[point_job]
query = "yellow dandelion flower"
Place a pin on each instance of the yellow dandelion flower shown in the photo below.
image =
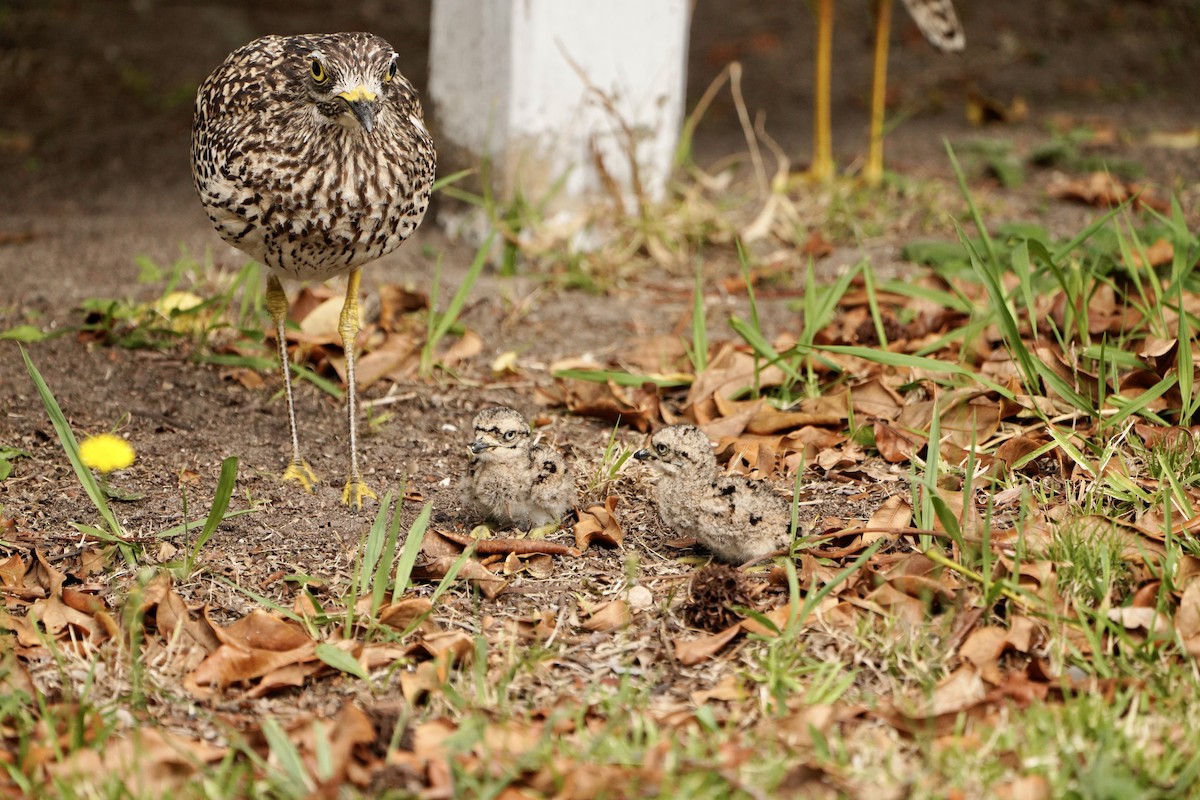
(106, 453)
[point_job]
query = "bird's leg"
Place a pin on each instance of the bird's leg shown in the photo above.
(873, 171)
(356, 488)
(297, 469)
(822, 168)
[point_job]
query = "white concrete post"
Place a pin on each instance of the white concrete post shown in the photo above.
(545, 88)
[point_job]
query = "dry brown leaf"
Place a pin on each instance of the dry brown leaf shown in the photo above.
(427, 678)
(172, 619)
(407, 611)
(390, 358)
(230, 664)
(12, 571)
(1187, 618)
(729, 371)
(309, 297)
(599, 524)
(611, 616)
(962, 509)
(777, 616)
(148, 763)
(1140, 620)
(320, 324)
(58, 619)
(970, 424)
(637, 406)
(894, 445)
(397, 301)
(890, 600)
(14, 677)
(44, 574)
(894, 513)
(875, 399)
(983, 649)
(799, 725)
(288, 676)
(328, 745)
(1103, 190)
(1160, 253)
(478, 575)
(1030, 787)
(469, 345)
(260, 630)
(690, 652)
(957, 692)
(728, 688)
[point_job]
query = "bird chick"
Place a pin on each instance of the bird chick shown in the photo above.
(737, 519)
(511, 481)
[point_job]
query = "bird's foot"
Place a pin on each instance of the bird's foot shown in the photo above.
(299, 471)
(354, 492)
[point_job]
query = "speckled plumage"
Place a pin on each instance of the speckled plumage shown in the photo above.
(310, 154)
(288, 174)
(737, 519)
(511, 481)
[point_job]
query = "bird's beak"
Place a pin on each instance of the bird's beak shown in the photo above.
(479, 445)
(362, 105)
(643, 454)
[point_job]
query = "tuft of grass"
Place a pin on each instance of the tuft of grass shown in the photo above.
(440, 324)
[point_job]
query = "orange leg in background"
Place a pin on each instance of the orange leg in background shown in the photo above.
(873, 171)
(822, 168)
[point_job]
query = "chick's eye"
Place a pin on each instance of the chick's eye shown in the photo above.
(391, 72)
(317, 70)
(660, 448)
(510, 435)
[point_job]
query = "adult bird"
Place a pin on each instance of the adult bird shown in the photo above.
(310, 154)
(936, 20)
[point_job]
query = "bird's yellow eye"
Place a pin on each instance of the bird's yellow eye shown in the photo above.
(391, 73)
(510, 435)
(317, 70)
(661, 449)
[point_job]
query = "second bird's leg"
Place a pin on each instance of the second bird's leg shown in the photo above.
(298, 469)
(356, 488)
(822, 168)
(873, 171)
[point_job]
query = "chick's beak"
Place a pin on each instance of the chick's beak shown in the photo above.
(643, 454)
(479, 445)
(361, 102)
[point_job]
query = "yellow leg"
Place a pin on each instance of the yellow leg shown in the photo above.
(297, 469)
(873, 172)
(822, 168)
(356, 488)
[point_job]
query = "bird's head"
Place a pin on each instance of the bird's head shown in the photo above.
(679, 449)
(351, 78)
(500, 434)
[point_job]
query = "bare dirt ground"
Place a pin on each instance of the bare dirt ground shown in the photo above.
(94, 170)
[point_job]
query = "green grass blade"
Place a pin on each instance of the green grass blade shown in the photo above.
(1137, 404)
(621, 378)
(67, 438)
(412, 547)
(216, 514)
(699, 322)
(373, 551)
(340, 660)
(910, 361)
